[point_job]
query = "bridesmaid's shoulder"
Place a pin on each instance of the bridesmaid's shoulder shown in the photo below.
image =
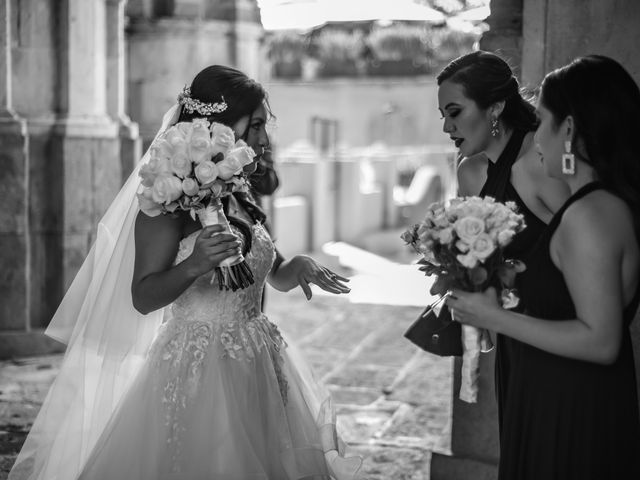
(601, 216)
(472, 173)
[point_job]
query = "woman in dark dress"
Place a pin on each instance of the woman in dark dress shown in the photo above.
(493, 125)
(571, 411)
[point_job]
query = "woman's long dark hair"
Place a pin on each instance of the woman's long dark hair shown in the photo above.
(487, 79)
(604, 101)
(243, 96)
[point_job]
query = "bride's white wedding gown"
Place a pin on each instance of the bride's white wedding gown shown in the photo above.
(221, 396)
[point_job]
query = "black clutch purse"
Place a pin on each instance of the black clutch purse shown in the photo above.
(437, 334)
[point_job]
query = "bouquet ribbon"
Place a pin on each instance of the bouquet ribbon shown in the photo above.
(233, 272)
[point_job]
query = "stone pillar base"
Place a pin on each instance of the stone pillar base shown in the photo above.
(444, 467)
(19, 344)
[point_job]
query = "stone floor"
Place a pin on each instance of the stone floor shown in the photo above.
(393, 399)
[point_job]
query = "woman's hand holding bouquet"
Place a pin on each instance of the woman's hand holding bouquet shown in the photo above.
(462, 243)
(191, 167)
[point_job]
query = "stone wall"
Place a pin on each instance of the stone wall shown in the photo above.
(394, 111)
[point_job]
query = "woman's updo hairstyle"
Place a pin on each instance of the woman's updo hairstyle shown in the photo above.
(487, 79)
(242, 95)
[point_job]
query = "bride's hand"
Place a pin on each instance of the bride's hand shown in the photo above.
(307, 270)
(211, 248)
(476, 309)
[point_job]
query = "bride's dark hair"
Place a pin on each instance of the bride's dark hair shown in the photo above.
(604, 101)
(243, 96)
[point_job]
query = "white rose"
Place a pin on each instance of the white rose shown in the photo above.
(200, 146)
(180, 165)
(243, 153)
(222, 138)
(445, 235)
(207, 172)
(482, 247)
(441, 220)
(505, 237)
(190, 186)
(178, 136)
(468, 260)
(166, 189)
(147, 205)
(462, 246)
(228, 168)
(161, 149)
(497, 218)
(468, 228)
(154, 167)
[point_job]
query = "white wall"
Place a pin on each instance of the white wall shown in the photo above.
(396, 111)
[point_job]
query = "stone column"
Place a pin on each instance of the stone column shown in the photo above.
(14, 183)
(67, 165)
(130, 142)
(505, 31)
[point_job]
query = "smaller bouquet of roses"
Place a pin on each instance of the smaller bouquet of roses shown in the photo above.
(462, 243)
(192, 165)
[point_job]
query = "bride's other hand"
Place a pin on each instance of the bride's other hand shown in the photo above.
(309, 271)
(475, 309)
(212, 246)
(303, 270)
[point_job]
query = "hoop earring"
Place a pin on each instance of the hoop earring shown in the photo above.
(568, 160)
(494, 128)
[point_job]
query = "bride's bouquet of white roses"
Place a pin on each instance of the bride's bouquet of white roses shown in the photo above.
(192, 165)
(462, 242)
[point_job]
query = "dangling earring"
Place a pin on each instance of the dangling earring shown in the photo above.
(494, 128)
(568, 160)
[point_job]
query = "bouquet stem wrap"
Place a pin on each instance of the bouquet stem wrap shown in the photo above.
(474, 341)
(233, 272)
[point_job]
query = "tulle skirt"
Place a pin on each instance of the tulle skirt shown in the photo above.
(204, 409)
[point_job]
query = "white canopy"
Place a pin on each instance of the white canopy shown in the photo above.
(305, 14)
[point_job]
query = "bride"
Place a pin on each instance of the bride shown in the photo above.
(166, 376)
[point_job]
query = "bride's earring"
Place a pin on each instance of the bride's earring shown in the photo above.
(494, 128)
(568, 160)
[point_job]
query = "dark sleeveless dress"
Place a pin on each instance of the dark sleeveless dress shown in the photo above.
(566, 419)
(498, 186)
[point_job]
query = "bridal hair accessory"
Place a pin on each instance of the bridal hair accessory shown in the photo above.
(494, 127)
(568, 159)
(191, 104)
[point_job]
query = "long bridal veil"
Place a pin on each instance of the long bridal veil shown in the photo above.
(106, 339)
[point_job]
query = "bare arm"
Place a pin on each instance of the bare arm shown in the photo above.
(156, 282)
(592, 268)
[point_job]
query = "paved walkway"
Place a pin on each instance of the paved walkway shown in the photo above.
(393, 399)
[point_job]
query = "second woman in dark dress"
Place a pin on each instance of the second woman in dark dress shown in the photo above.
(493, 125)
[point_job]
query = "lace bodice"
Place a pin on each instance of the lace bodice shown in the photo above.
(205, 316)
(203, 301)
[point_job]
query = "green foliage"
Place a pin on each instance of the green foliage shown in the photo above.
(286, 46)
(338, 45)
(400, 42)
